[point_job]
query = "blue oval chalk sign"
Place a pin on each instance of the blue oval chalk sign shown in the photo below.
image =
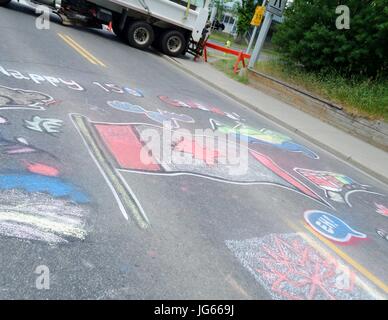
(331, 227)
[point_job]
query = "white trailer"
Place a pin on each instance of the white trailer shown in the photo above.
(171, 26)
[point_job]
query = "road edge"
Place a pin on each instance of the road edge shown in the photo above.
(322, 109)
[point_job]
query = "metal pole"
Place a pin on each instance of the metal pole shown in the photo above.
(254, 32)
(260, 41)
(253, 36)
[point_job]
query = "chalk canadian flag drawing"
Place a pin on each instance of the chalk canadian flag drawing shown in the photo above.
(119, 147)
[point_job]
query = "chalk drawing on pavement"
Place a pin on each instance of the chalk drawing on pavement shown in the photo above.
(125, 197)
(337, 187)
(41, 217)
(263, 136)
(46, 125)
(382, 233)
(3, 120)
(288, 267)
(331, 226)
(43, 208)
(54, 186)
(113, 88)
(200, 106)
(134, 92)
(15, 98)
(381, 209)
(190, 145)
(159, 116)
(40, 168)
(39, 79)
(119, 138)
(19, 146)
(122, 147)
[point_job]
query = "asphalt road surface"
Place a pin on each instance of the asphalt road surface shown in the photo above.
(83, 216)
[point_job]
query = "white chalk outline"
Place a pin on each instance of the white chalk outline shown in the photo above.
(35, 106)
(120, 204)
(347, 194)
(320, 200)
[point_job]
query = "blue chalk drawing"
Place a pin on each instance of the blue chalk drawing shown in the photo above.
(330, 226)
(157, 116)
(37, 183)
(134, 92)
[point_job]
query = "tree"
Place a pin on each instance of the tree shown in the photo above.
(309, 36)
(219, 4)
(245, 12)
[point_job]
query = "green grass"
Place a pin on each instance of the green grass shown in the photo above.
(222, 37)
(360, 97)
(226, 66)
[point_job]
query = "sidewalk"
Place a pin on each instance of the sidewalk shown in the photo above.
(368, 158)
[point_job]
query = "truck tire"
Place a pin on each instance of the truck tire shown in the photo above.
(140, 34)
(4, 2)
(173, 43)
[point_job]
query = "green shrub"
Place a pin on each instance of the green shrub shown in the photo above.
(309, 37)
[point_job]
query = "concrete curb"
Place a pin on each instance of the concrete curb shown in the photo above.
(280, 122)
(330, 104)
(372, 132)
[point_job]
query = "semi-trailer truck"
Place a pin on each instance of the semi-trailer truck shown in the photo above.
(171, 26)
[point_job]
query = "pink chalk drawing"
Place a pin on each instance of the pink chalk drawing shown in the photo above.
(40, 168)
(208, 155)
(381, 209)
(289, 268)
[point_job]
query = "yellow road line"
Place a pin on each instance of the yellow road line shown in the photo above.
(83, 52)
(352, 262)
(365, 272)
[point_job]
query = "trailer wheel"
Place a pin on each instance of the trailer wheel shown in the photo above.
(173, 43)
(4, 2)
(140, 34)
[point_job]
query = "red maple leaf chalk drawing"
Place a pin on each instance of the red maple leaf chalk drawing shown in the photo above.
(40, 168)
(290, 268)
(191, 146)
(381, 209)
